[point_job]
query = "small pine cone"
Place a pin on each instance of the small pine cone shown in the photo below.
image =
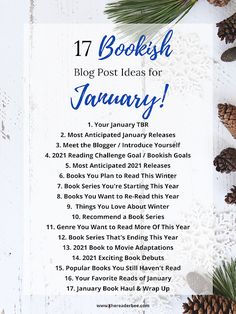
(230, 198)
(226, 160)
(227, 29)
(227, 115)
(219, 3)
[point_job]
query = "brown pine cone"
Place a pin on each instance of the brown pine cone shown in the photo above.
(230, 198)
(226, 160)
(209, 304)
(219, 3)
(227, 29)
(227, 115)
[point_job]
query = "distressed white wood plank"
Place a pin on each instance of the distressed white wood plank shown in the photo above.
(70, 11)
(12, 17)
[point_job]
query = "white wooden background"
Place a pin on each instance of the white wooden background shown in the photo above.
(13, 15)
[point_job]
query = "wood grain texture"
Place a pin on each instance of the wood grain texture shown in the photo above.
(13, 14)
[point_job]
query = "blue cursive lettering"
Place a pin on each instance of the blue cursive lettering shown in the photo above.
(148, 102)
(109, 47)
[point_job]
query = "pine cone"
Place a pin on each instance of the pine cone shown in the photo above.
(227, 115)
(227, 29)
(230, 198)
(209, 305)
(226, 160)
(219, 3)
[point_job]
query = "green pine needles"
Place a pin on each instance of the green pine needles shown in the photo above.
(224, 280)
(148, 11)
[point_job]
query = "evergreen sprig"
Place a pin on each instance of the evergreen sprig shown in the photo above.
(224, 280)
(148, 11)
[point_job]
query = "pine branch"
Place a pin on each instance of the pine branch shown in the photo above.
(148, 11)
(224, 280)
